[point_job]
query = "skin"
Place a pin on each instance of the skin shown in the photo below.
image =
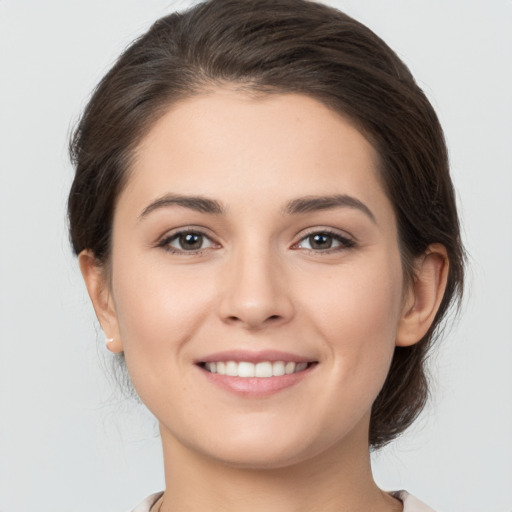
(257, 283)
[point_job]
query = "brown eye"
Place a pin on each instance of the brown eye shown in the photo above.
(324, 241)
(190, 241)
(186, 241)
(320, 241)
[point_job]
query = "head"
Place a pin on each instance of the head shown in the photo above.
(266, 50)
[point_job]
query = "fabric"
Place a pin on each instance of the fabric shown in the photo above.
(146, 505)
(411, 504)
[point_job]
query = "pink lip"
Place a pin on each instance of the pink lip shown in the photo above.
(254, 386)
(254, 357)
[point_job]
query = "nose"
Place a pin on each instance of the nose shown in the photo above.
(255, 292)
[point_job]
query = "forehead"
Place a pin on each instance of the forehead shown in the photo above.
(239, 147)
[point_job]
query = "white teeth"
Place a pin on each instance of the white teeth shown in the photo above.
(246, 369)
(232, 369)
(289, 368)
(263, 369)
(278, 368)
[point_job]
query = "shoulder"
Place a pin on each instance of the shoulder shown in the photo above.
(411, 504)
(146, 505)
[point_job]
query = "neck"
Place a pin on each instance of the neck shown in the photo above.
(337, 480)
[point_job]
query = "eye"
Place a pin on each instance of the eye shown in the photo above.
(324, 241)
(186, 241)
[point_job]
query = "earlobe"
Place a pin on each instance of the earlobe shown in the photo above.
(101, 298)
(424, 295)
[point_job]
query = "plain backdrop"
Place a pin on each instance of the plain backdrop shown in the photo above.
(68, 442)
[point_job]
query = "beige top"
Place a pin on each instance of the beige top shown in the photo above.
(411, 504)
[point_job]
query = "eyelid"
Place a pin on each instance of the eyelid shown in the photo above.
(346, 240)
(169, 236)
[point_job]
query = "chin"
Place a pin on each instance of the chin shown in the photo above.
(259, 458)
(264, 449)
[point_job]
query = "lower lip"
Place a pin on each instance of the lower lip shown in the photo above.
(256, 386)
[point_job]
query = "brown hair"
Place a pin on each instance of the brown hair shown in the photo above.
(275, 46)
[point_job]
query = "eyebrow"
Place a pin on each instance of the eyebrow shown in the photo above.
(198, 203)
(317, 203)
(300, 205)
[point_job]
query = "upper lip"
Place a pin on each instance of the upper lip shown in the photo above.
(254, 356)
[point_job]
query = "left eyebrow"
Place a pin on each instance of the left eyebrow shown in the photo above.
(318, 203)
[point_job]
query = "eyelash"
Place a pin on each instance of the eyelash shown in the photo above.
(345, 242)
(165, 242)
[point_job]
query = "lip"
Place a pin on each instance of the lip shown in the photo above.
(254, 357)
(253, 386)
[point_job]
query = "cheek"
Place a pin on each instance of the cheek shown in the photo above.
(358, 314)
(158, 310)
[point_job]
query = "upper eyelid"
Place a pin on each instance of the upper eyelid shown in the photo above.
(201, 230)
(171, 233)
(327, 230)
(345, 240)
(165, 241)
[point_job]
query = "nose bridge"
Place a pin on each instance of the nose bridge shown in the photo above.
(255, 292)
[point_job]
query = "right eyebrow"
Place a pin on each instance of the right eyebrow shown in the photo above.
(198, 203)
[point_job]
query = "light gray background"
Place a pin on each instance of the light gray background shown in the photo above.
(68, 444)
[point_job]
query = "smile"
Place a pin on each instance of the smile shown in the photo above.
(263, 369)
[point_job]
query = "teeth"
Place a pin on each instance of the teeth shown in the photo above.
(289, 368)
(246, 370)
(263, 369)
(278, 368)
(231, 369)
(301, 367)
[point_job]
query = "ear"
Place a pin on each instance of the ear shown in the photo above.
(99, 291)
(424, 295)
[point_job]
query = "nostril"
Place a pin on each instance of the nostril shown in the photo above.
(236, 318)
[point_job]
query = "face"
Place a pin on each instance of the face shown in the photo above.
(256, 282)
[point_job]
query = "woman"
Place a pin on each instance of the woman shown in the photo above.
(266, 226)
